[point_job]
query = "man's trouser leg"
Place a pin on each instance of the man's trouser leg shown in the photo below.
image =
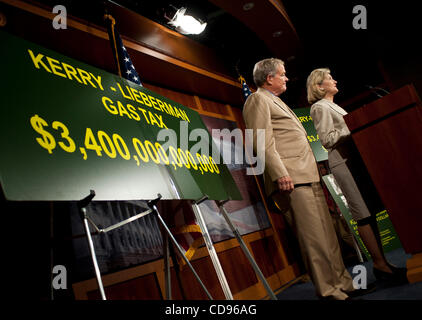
(319, 243)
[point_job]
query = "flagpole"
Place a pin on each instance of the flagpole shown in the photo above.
(112, 23)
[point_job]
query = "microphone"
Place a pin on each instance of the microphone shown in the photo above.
(376, 89)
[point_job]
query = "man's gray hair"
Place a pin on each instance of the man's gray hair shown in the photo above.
(265, 68)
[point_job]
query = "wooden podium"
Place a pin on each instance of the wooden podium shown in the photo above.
(388, 135)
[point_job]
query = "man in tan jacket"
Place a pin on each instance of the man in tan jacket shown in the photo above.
(292, 180)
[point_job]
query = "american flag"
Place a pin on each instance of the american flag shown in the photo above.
(245, 89)
(124, 63)
(181, 221)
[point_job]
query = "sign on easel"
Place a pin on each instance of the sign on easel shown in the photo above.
(67, 128)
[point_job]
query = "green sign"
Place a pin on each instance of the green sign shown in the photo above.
(68, 128)
(389, 238)
(319, 151)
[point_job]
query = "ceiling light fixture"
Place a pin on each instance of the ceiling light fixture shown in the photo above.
(186, 24)
(248, 6)
(277, 34)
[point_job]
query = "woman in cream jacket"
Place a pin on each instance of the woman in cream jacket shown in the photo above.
(345, 163)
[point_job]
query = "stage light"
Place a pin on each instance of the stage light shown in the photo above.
(186, 24)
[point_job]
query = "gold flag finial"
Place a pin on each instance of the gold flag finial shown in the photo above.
(109, 16)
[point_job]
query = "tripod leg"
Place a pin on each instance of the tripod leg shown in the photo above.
(93, 256)
(357, 249)
(246, 252)
(177, 270)
(51, 249)
(160, 219)
(212, 252)
(167, 265)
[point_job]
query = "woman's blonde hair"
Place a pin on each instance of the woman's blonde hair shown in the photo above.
(315, 79)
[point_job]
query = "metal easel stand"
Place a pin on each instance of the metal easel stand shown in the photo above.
(258, 272)
(153, 209)
(354, 242)
(357, 249)
(211, 250)
(168, 251)
(82, 210)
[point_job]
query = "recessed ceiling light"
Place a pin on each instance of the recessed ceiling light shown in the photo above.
(277, 34)
(248, 6)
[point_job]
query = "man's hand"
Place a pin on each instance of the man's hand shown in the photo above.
(285, 184)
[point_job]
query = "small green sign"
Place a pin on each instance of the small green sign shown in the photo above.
(67, 128)
(389, 238)
(319, 151)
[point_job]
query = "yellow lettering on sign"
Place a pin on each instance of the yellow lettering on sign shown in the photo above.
(97, 80)
(65, 70)
(71, 72)
(152, 119)
(145, 99)
(108, 104)
(161, 124)
(136, 95)
(184, 115)
(161, 105)
(305, 118)
(38, 61)
(123, 93)
(55, 65)
(154, 103)
(144, 113)
(133, 112)
(122, 110)
(177, 113)
(170, 109)
(85, 76)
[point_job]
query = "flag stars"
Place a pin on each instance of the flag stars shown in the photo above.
(127, 69)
